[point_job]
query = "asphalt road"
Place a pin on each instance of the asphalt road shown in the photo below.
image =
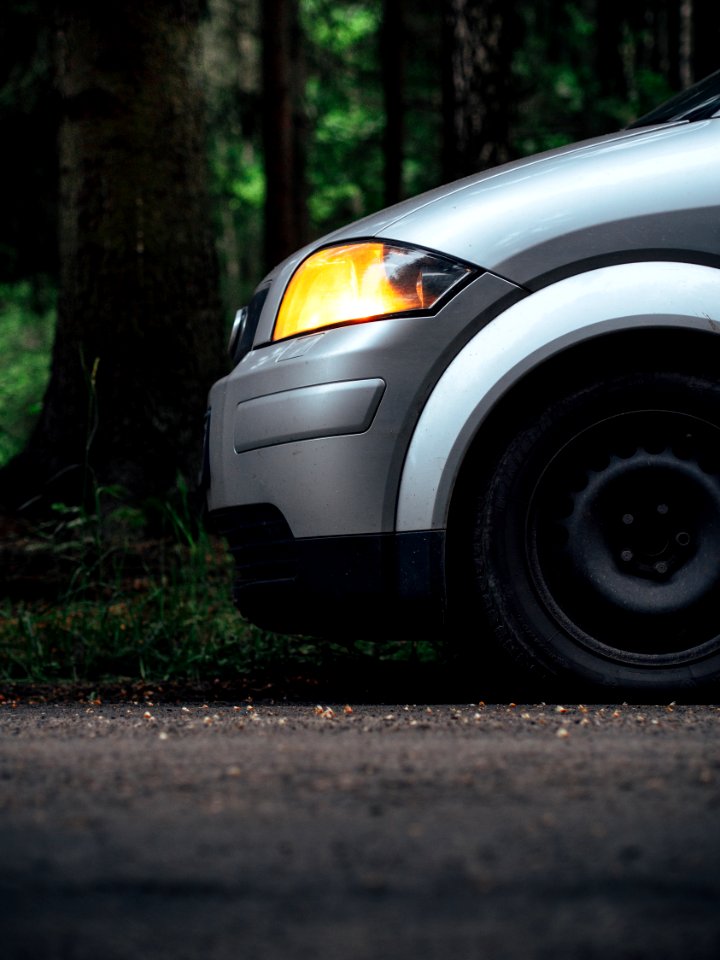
(409, 832)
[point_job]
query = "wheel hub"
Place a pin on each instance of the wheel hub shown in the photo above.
(626, 532)
(652, 541)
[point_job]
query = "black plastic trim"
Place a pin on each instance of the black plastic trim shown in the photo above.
(246, 336)
(333, 586)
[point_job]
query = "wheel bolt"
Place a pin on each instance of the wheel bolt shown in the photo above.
(627, 519)
(682, 539)
(662, 508)
(626, 556)
(661, 566)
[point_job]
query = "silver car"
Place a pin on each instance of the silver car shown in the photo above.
(492, 412)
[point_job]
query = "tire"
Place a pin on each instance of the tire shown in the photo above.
(597, 537)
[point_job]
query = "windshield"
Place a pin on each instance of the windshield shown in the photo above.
(699, 102)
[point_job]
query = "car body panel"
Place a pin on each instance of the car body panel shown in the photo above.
(579, 308)
(309, 477)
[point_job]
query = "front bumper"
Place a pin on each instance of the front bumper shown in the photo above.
(378, 584)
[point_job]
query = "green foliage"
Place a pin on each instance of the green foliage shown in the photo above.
(341, 28)
(557, 71)
(27, 317)
(345, 115)
(238, 190)
(231, 56)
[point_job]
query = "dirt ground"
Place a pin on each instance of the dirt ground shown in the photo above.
(355, 831)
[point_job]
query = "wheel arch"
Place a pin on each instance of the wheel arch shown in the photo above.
(618, 314)
(682, 348)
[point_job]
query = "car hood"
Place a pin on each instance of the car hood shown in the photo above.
(623, 196)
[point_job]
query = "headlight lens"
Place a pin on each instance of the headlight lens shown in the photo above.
(356, 282)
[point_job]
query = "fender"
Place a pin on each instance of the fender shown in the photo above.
(578, 308)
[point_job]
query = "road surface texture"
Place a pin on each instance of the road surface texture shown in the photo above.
(350, 832)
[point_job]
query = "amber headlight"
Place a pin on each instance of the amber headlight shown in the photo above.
(356, 282)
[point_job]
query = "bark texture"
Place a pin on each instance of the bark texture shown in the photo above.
(392, 61)
(284, 130)
(479, 40)
(140, 333)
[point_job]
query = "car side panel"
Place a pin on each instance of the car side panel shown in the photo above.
(576, 309)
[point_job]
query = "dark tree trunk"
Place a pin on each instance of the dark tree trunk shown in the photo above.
(664, 54)
(392, 59)
(608, 49)
(705, 56)
(479, 40)
(283, 130)
(139, 333)
(28, 163)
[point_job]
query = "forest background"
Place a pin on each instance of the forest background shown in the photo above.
(159, 158)
(314, 113)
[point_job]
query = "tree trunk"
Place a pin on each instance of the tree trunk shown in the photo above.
(392, 60)
(479, 44)
(705, 37)
(609, 49)
(139, 333)
(28, 163)
(283, 130)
